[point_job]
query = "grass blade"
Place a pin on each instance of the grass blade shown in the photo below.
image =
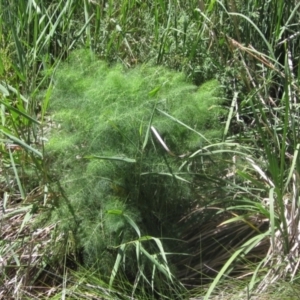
(112, 158)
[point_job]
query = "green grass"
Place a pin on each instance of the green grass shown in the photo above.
(244, 188)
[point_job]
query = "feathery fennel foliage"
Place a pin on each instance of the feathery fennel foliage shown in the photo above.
(107, 157)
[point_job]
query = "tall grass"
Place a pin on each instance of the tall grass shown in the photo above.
(251, 47)
(274, 136)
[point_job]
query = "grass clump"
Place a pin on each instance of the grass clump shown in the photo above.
(117, 148)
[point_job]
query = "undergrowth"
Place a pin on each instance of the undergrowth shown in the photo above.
(119, 146)
(111, 195)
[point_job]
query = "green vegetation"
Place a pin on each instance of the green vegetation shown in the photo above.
(149, 149)
(129, 151)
